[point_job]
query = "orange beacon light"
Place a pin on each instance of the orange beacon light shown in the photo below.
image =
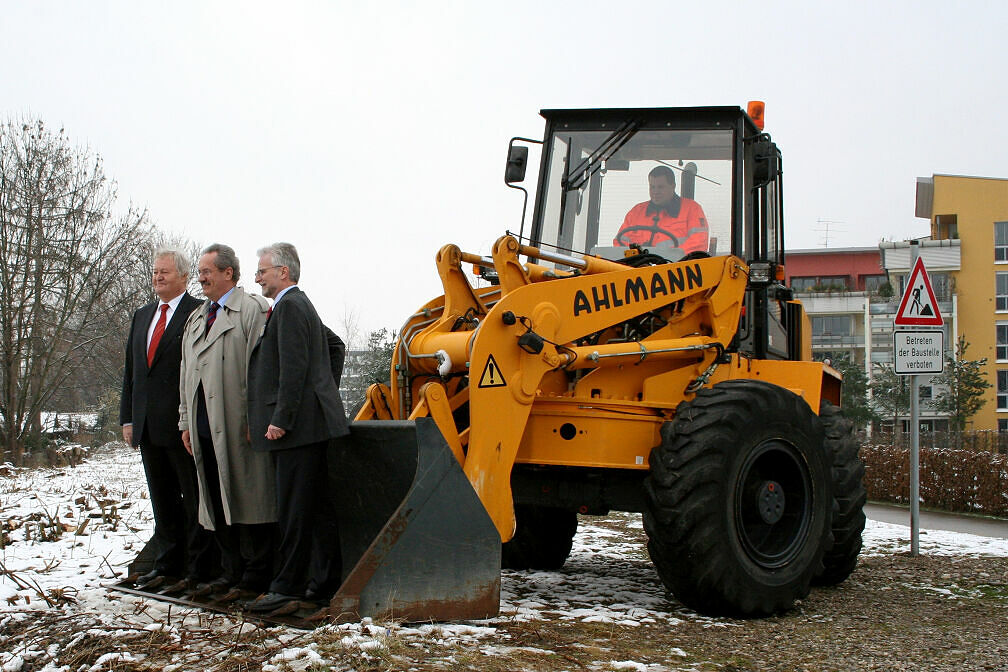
(755, 112)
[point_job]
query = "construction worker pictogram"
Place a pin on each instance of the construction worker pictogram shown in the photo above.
(919, 307)
(492, 376)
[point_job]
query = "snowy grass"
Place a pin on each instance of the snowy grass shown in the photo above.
(68, 533)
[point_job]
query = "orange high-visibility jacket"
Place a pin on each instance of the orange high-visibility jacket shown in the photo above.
(688, 225)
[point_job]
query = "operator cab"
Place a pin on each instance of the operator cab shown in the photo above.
(594, 197)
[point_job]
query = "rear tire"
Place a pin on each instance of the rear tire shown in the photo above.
(543, 538)
(738, 500)
(848, 496)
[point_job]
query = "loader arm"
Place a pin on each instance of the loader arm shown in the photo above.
(540, 325)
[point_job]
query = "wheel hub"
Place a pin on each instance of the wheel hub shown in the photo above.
(770, 502)
(773, 503)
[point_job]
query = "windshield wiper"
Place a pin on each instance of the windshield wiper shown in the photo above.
(576, 177)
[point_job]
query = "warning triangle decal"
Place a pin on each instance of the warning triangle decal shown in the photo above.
(919, 306)
(492, 376)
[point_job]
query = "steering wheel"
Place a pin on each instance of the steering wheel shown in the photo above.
(644, 227)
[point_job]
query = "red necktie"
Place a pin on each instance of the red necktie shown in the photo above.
(156, 336)
(269, 312)
(211, 315)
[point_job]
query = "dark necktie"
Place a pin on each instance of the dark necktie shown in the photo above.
(158, 333)
(211, 315)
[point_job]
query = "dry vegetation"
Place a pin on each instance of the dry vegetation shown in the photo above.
(896, 612)
(604, 611)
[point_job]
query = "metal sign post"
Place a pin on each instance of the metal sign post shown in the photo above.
(914, 465)
(916, 352)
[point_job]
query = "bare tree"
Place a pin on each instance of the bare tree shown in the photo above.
(349, 324)
(68, 271)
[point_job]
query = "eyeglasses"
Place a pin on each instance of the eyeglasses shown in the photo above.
(260, 271)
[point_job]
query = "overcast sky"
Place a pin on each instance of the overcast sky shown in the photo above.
(370, 134)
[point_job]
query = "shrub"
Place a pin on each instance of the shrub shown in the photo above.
(957, 480)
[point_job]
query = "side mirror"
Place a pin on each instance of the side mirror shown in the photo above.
(517, 161)
(766, 165)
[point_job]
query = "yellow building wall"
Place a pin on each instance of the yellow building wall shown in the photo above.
(977, 204)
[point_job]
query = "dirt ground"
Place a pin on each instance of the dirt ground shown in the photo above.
(941, 612)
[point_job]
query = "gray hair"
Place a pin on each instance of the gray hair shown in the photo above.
(226, 258)
(182, 263)
(284, 254)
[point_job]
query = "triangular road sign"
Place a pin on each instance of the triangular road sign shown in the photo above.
(919, 307)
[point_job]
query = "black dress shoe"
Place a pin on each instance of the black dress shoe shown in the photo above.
(233, 595)
(218, 585)
(271, 602)
(151, 579)
(314, 595)
(181, 586)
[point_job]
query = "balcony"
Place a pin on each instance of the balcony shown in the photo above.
(887, 309)
(834, 302)
(836, 340)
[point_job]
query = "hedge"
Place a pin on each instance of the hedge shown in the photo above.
(964, 481)
(982, 439)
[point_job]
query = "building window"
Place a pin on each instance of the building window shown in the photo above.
(1002, 425)
(835, 282)
(822, 283)
(924, 393)
(872, 283)
(1000, 241)
(1001, 291)
(831, 325)
(941, 284)
(803, 284)
(1002, 341)
(1002, 390)
(926, 426)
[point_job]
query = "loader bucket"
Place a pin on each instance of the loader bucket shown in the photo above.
(416, 542)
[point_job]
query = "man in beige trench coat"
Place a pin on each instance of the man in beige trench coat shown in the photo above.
(237, 485)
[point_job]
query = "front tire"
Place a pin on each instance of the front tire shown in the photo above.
(739, 500)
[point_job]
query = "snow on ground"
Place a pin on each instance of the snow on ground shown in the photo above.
(67, 533)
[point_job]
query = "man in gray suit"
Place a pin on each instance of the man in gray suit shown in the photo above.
(237, 485)
(294, 409)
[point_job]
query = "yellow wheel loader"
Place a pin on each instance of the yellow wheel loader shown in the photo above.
(577, 370)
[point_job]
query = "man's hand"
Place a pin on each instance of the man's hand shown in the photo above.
(128, 434)
(273, 432)
(186, 441)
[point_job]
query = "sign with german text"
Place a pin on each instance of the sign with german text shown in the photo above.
(919, 307)
(918, 352)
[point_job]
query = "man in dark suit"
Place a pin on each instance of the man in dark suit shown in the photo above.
(294, 410)
(149, 414)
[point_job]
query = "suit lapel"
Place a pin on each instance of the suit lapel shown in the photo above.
(288, 294)
(223, 323)
(197, 328)
(175, 324)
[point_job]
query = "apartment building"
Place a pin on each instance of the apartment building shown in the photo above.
(972, 212)
(851, 295)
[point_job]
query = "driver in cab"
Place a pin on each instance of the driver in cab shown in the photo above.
(667, 218)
